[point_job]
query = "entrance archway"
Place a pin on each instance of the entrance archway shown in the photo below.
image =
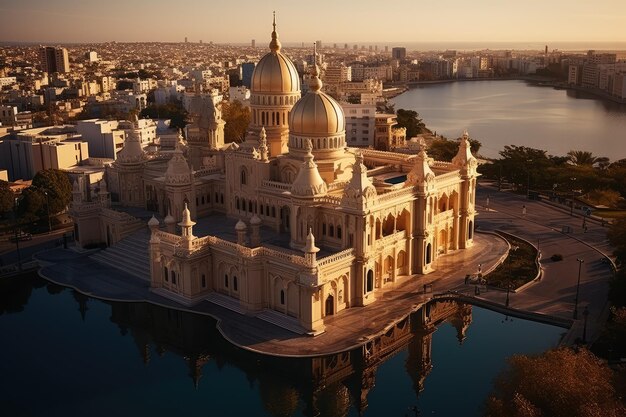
(330, 305)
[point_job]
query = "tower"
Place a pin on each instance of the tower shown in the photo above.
(274, 89)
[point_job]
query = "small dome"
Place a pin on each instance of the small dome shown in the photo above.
(240, 226)
(169, 219)
(317, 114)
(255, 220)
(186, 221)
(153, 222)
(275, 73)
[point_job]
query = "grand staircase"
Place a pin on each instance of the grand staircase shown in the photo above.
(130, 254)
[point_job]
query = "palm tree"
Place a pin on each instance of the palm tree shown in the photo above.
(581, 158)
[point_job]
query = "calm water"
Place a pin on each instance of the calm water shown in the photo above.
(502, 113)
(64, 354)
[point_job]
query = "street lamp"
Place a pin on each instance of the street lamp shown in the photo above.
(585, 314)
(17, 238)
(580, 264)
(528, 178)
(48, 208)
(508, 289)
(571, 212)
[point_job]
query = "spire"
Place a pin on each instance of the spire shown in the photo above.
(309, 182)
(186, 225)
(464, 155)
(263, 145)
(275, 43)
(360, 186)
(310, 243)
(315, 84)
(421, 171)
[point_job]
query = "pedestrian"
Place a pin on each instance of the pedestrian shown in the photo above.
(524, 210)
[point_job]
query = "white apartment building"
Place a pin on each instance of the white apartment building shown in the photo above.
(360, 124)
(29, 151)
(106, 137)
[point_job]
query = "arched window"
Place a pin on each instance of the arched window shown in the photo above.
(470, 230)
(261, 208)
(369, 284)
(203, 281)
(324, 229)
(173, 275)
(282, 297)
(338, 232)
(235, 283)
(237, 202)
(331, 231)
(243, 177)
(428, 253)
(226, 281)
(166, 274)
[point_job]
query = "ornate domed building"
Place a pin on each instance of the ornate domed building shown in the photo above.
(292, 225)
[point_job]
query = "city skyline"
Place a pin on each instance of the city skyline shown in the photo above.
(64, 21)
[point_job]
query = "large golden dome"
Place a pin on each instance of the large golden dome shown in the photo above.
(316, 114)
(275, 73)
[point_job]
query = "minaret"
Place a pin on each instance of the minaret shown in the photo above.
(186, 228)
(310, 250)
(467, 164)
(103, 194)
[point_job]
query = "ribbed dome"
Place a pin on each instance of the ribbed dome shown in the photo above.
(316, 114)
(275, 73)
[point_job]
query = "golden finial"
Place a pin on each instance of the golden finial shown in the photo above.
(275, 43)
(315, 84)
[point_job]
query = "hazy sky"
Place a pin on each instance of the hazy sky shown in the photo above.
(329, 20)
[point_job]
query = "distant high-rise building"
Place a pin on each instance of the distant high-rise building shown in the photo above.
(185, 39)
(398, 53)
(200, 41)
(334, 46)
(546, 49)
(91, 56)
(386, 48)
(376, 48)
(318, 44)
(54, 59)
(254, 46)
(371, 48)
(345, 46)
(355, 47)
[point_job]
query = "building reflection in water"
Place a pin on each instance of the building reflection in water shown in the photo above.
(326, 385)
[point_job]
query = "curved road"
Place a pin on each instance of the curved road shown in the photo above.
(543, 224)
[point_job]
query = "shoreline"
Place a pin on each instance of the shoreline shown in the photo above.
(536, 81)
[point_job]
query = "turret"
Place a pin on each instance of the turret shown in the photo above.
(186, 227)
(255, 238)
(241, 228)
(310, 250)
(170, 223)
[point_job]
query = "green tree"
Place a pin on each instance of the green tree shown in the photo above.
(581, 158)
(57, 185)
(6, 198)
(173, 111)
(237, 118)
(410, 119)
(559, 383)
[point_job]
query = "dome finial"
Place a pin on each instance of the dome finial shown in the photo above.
(315, 84)
(275, 43)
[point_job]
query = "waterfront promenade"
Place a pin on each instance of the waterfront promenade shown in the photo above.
(549, 299)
